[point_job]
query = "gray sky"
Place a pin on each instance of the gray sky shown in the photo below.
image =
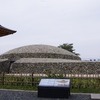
(52, 22)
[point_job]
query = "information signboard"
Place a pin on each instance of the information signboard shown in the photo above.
(54, 88)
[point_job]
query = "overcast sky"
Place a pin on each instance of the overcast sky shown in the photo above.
(52, 22)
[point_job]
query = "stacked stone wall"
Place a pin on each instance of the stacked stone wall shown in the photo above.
(61, 68)
(4, 65)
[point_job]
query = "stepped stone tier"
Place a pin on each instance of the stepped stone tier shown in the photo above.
(39, 51)
(59, 66)
(46, 59)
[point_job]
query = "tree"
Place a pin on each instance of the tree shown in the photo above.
(68, 47)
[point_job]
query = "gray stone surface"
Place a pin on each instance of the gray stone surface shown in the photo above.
(4, 65)
(46, 59)
(61, 66)
(95, 96)
(31, 95)
(2, 60)
(39, 51)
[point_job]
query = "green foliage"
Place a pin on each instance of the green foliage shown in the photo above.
(85, 85)
(68, 47)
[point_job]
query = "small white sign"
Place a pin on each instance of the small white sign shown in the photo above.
(55, 82)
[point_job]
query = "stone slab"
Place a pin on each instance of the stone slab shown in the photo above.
(95, 96)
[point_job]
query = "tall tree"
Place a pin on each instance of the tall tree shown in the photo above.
(68, 47)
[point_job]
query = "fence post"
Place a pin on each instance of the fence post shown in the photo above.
(32, 79)
(3, 74)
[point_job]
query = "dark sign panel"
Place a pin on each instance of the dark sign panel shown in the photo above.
(54, 88)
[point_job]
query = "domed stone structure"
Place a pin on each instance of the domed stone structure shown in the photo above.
(44, 59)
(39, 51)
(25, 59)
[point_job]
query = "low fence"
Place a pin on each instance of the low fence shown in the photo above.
(78, 82)
(32, 79)
(18, 79)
